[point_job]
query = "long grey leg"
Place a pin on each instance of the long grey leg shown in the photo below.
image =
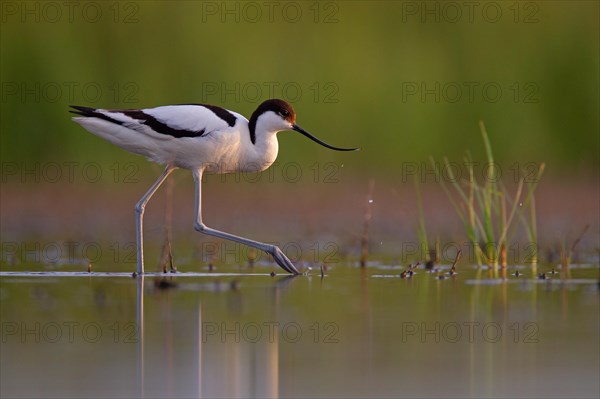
(139, 216)
(277, 254)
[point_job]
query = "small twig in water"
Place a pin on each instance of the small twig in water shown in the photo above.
(411, 269)
(252, 255)
(364, 242)
(565, 258)
(453, 268)
(167, 257)
(167, 254)
(572, 250)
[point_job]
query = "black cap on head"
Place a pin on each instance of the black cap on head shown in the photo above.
(285, 110)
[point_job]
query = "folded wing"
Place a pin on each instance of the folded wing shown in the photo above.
(188, 120)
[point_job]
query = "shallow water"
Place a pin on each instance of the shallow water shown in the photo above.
(353, 333)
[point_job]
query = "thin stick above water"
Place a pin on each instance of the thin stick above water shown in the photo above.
(364, 242)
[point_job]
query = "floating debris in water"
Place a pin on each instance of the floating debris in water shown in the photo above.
(553, 272)
(134, 274)
(322, 270)
(517, 274)
(272, 274)
(89, 268)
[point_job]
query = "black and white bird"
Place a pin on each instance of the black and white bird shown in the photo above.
(204, 139)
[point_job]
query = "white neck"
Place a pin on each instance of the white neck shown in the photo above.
(260, 155)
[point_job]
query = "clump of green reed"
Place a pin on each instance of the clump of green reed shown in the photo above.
(487, 210)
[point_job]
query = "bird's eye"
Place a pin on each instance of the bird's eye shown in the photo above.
(285, 113)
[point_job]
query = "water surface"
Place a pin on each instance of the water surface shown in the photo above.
(353, 333)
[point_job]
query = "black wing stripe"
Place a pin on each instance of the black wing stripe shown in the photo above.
(159, 126)
(140, 116)
(223, 114)
(92, 113)
(82, 111)
(220, 112)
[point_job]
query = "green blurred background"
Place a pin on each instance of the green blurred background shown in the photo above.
(402, 80)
